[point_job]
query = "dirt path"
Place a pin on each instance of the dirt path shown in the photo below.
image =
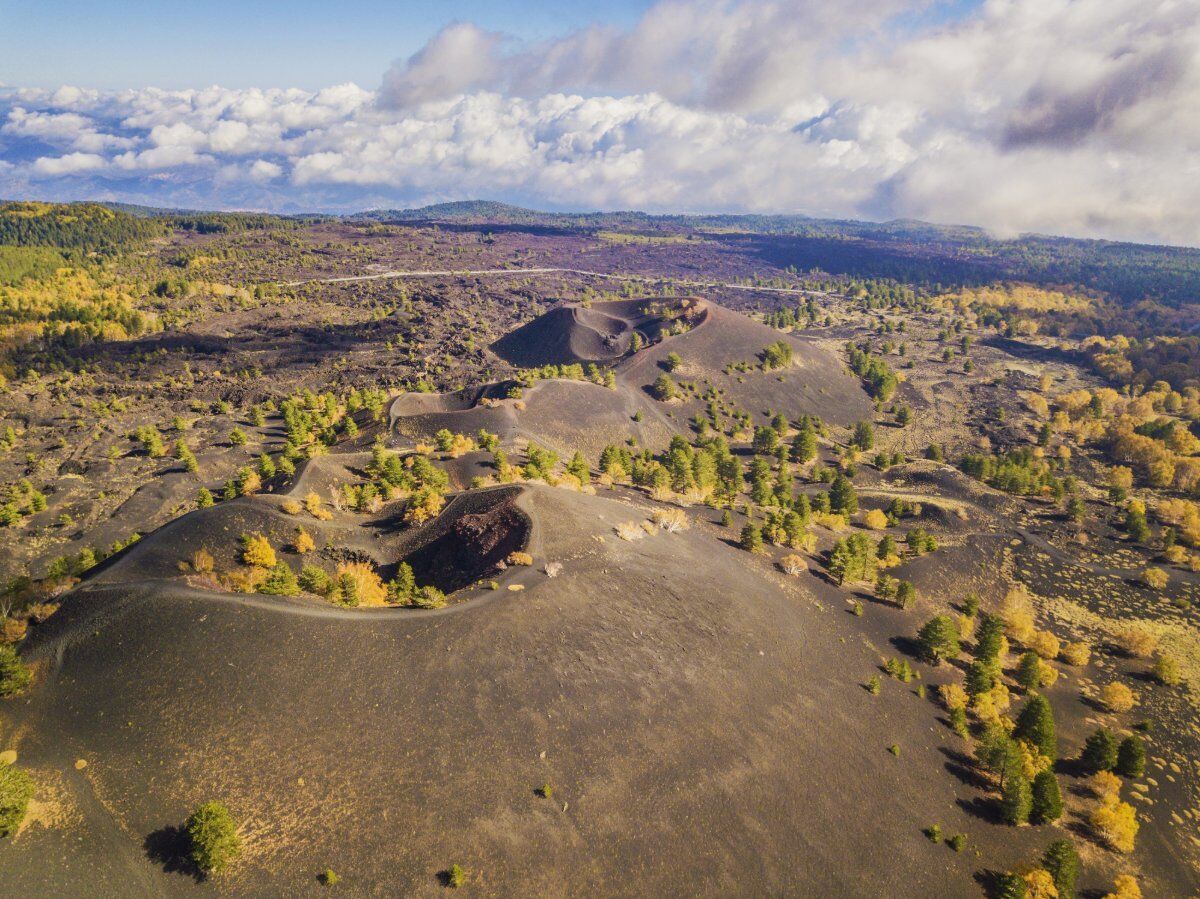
(487, 272)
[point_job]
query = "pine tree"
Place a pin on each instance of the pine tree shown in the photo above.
(752, 540)
(989, 640)
(1035, 725)
(1029, 671)
(1010, 886)
(281, 581)
(804, 444)
(1100, 751)
(981, 677)
(1047, 799)
(579, 468)
(1131, 757)
(403, 587)
(864, 436)
(1062, 861)
(938, 639)
(1016, 796)
(842, 497)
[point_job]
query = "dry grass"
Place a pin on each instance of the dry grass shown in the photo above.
(671, 520)
(630, 530)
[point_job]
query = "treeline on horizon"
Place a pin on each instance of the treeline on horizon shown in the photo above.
(924, 255)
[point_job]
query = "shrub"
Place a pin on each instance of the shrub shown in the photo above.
(304, 542)
(1077, 654)
(213, 836)
(430, 597)
(1047, 798)
(1136, 640)
(671, 520)
(1039, 884)
(938, 639)
(1117, 697)
(14, 675)
(1016, 611)
(957, 842)
(1045, 644)
(793, 564)
(1154, 578)
(456, 876)
(630, 530)
(237, 437)
(664, 388)
(519, 558)
(312, 503)
(202, 561)
(875, 520)
(257, 551)
(1166, 669)
(329, 877)
(1100, 751)
(1124, 887)
(873, 685)
(1062, 861)
(1116, 823)
(16, 789)
(1131, 757)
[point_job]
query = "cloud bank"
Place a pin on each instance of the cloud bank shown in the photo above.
(1063, 116)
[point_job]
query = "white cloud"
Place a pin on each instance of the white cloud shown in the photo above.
(1049, 115)
(71, 164)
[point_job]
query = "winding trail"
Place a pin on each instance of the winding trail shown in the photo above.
(487, 272)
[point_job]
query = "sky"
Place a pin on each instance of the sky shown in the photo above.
(1077, 117)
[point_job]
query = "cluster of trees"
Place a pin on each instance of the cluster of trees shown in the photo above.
(80, 227)
(789, 319)
(708, 470)
(414, 477)
(66, 309)
(19, 501)
(1022, 471)
(570, 372)
(877, 376)
(777, 355)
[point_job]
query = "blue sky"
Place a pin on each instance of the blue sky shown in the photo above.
(117, 44)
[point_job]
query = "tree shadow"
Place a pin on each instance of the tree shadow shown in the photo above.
(171, 848)
(991, 881)
(907, 646)
(963, 767)
(984, 809)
